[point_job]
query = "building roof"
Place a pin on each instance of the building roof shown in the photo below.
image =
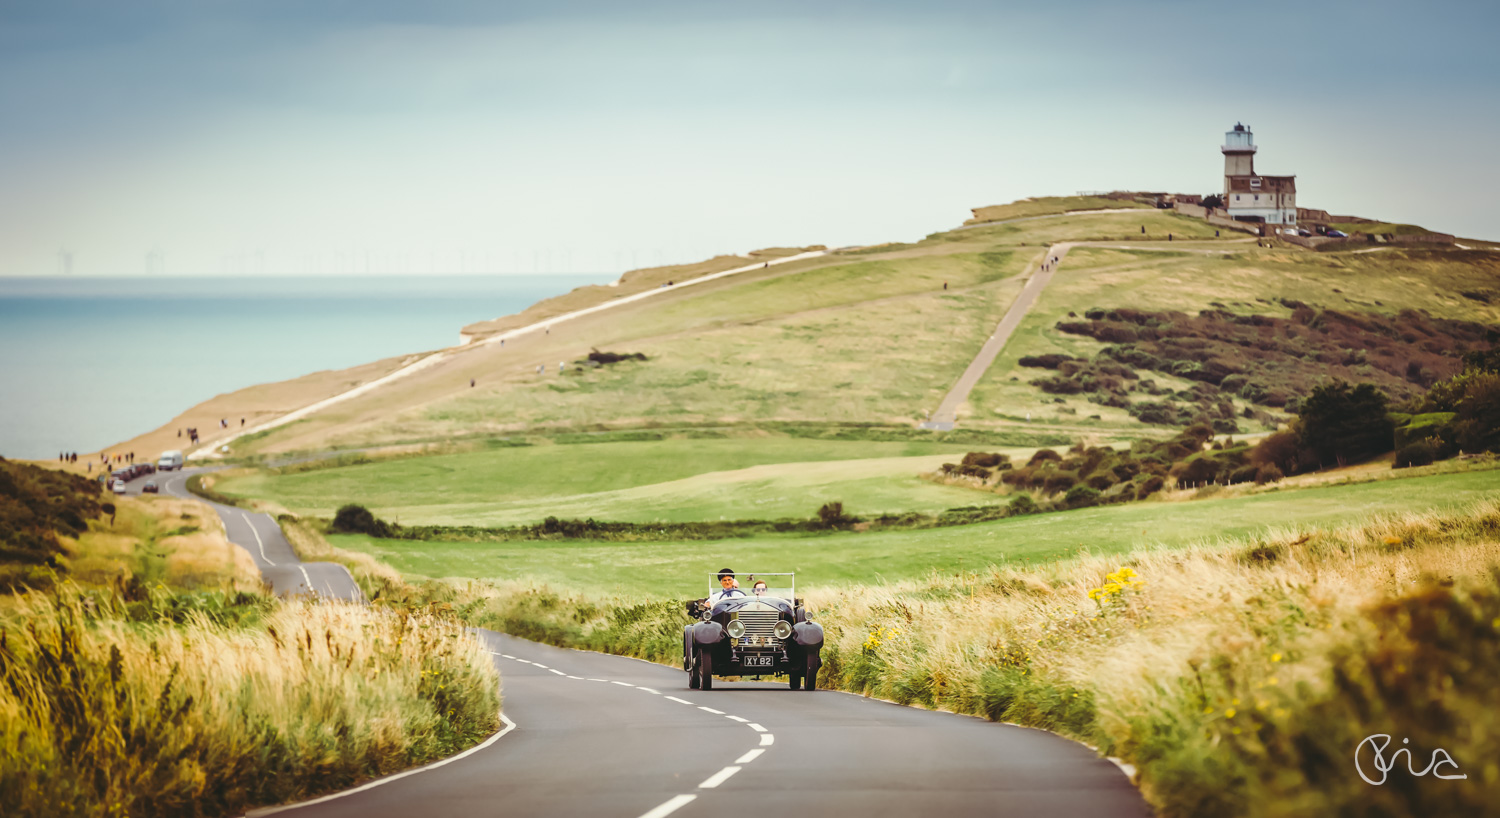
(1262, 184)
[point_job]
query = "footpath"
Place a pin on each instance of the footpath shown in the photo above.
(212, 447)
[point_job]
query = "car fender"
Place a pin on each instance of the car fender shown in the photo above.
(708, 633)
(809, 635)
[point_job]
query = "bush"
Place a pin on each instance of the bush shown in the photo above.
(1341, 423)
(1420, 453)
(1081, 497)
(1042, 456)
(1267, 473)
(1152, 485)
(1023, 504)
(1043, 361)
(356, 519)
(832, 515)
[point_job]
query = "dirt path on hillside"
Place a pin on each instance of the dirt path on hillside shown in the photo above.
(946, 415)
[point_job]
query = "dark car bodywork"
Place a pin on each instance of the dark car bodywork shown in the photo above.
(764, 647)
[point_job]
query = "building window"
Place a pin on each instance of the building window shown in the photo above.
(1236, 197)
(1255, 184)
(1257, 197)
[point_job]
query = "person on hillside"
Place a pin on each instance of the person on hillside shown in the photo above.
(728, 587)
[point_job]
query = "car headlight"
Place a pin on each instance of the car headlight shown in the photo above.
(783, 629)
(736, 629)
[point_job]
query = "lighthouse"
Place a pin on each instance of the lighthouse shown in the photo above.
(1248, 196)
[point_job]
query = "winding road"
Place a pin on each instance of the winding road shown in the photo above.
(590, 734)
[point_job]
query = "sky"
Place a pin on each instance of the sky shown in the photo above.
(211, 137)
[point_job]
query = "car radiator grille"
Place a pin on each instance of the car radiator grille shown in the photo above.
(760, 628)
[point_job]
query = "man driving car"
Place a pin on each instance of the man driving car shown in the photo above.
(728, 587)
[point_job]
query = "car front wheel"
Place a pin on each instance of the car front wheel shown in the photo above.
(810, 681)
(705, 670)
(794, 678)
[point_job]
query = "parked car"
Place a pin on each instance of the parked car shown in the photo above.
(150, 488)
(1336, 234)
(752, 632)
(117, 486)
(1304, 233)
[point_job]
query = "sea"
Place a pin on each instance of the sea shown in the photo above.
(86, 363)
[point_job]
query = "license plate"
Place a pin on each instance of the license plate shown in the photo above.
(758, 661)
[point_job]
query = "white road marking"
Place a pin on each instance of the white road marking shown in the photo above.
(598, 680)
(507, 655)
(257, 538)
(757, 728)
(554, 670)
(649, 690)
(711, 710)
(675, 699)
(676, 803)
(579, 678)
(718, 778)
(738, 719)
(540, 665)
(306, 578)
(509, 726)
(750, 756)
(766, 739)
(624, 684)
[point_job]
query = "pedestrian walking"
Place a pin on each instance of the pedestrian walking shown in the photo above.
(560, 366)
(1143, 230)
(471, 383)
(242, 423)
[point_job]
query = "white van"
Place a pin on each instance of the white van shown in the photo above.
(169, 461)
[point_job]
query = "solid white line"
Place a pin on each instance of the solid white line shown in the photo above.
(675, 699)
(257, 538)
(676, 802)
(625, 684)
(718, 778)
(738, 719)
(757, 728)
(649, 690)
(711, 710)
(750, 756)
(766, 739)
(509, 726)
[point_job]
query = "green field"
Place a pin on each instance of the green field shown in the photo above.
(673, 569)
(671, 480)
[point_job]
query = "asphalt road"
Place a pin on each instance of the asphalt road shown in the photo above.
(599, 735)
(260, 535)
(590, 734)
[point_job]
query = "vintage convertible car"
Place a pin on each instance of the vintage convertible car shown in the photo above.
(752, 631)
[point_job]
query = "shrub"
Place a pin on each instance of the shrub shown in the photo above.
(1342, 423)
(1023, 504)
(1059, 481)
(1420, 453)
(832, 515)
(1152, 485)
(1044, 361)
(356, 519)
(1042, 456)
(985, 460)
(1081, 497)
(1267, 473)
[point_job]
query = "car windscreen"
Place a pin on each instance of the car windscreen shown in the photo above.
(777, 586)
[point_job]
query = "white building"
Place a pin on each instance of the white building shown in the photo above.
(1248, 196)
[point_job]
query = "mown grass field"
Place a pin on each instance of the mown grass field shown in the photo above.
(671, 569)
(673, 480)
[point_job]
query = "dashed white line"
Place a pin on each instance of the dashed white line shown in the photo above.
(674, 804)
(579, 678)
(718, 778)
(307, 578)
(540, 665)
(675, 699)
(598, 680)
(624, 684)
(750, 756)
(711, 710)
(507, 655)
(554, 670)
(757, 728)
(650, 690)
(766, 739)
(738, 719)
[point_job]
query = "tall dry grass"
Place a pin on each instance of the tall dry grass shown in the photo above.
(1237, 676)
(157, 707)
